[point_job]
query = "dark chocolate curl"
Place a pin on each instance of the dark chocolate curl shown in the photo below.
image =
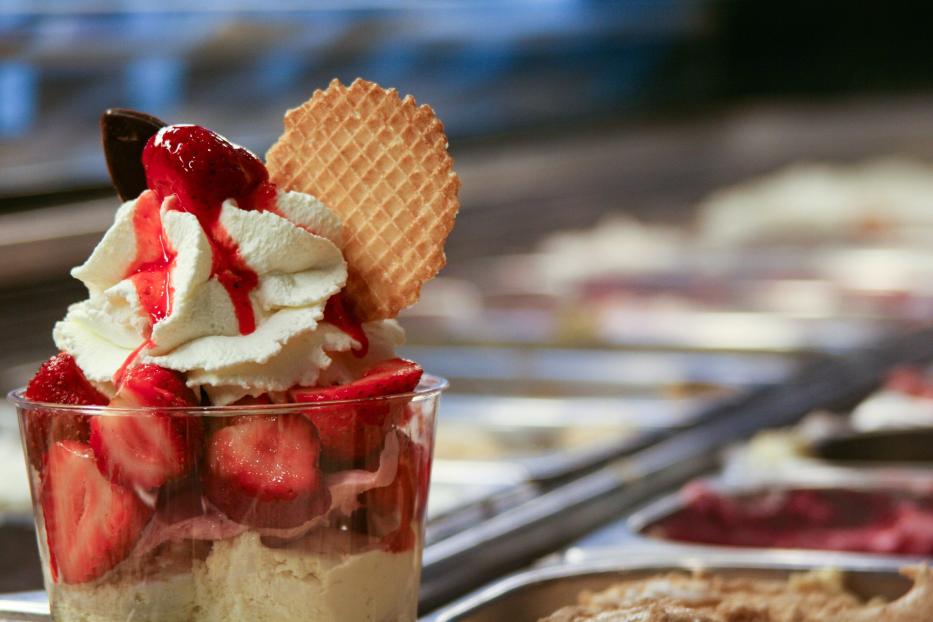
(124, 134)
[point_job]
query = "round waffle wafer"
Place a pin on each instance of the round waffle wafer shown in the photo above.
(380, 163)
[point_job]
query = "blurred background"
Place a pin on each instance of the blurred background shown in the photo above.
(665, 202)
(612, 124)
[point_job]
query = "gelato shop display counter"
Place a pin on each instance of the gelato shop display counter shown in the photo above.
(575, 511)
(861, 518)
(465, 312)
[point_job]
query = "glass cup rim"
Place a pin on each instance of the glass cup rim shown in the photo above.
(430, 386)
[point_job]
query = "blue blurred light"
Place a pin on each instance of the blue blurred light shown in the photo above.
(277, 70)
(18, 98)
(154, 84)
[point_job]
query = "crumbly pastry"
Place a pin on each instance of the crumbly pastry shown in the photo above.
(886, 199)
(817, 596)
(381, 164)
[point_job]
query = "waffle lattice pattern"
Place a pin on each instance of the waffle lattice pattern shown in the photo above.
(381, 164)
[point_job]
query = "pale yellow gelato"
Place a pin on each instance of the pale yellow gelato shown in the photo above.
(241, 579)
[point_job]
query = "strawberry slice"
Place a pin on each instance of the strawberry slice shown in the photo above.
(91, 524)
(146, 450)
(154, 386)
(58, 381)
(346, 441)
(394, 376)
(391, 510)
(391, 377)
(337, 313)
(263, 471)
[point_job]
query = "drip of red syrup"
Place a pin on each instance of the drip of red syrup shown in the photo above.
(150, 270)
(337, 313)
(202, 169)
(152, 265)
(118, 375)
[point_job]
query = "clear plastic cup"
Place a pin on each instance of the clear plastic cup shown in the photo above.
(267, 516)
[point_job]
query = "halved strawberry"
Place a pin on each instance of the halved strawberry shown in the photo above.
(58, 381)
(337, 313)
(391, 377)
(392, 510)
(151, 385)
(394, 376)
(346, 442)
(263, 471)
(91, 524)
(146, 450)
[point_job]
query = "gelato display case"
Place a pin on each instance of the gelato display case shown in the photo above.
(884, 519)
(521, 419)
(592, 512)
(679, 308)
(887, 430)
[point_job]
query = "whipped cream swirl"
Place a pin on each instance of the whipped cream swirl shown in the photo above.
(293, 250)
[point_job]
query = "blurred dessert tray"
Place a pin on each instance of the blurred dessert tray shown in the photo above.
(565, 412)
(523, 528)
(544, 371)
(566, 511)
(887, 484)
(530, 595)
(661, 327)
(557, 437)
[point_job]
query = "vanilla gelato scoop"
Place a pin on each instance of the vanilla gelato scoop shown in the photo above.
(293, 250)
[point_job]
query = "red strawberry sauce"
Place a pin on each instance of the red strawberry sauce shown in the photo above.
(118, 375)
(202, 169)
(154, 259)
(338, 314)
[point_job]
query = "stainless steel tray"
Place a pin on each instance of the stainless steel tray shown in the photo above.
(571, 509)
(723, 329)
(529, 595)
(554, 437)
(890, 481)
(455, 484)
(464, 494)
(629, 529)
(549, 371)
(24, 607)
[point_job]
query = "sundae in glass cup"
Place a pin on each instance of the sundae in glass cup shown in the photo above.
(227, 432)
